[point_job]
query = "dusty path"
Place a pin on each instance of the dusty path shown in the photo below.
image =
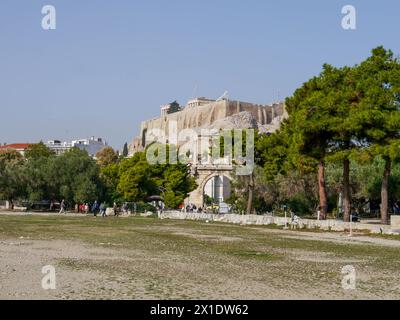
(338, 237)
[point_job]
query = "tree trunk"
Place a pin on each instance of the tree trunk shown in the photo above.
(385, 192)
(251, 195)
(346, 190)
(323, 201)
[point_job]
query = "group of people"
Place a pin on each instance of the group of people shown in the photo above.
(99, 209)
(191, 208)
(84, 208)
(96, 208)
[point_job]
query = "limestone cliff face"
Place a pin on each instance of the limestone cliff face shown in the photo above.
(216, 115)
(242, 120)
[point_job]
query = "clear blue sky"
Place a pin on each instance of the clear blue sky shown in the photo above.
(110, 64)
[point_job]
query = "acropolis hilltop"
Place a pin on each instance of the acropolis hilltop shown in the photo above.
(204, 113)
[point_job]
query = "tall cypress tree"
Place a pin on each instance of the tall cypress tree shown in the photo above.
(125, 151)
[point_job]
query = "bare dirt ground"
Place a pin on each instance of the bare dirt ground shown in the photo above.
(147, 258)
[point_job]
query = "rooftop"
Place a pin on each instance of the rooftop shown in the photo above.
(17, 146)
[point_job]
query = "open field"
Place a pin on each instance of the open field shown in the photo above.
(147, 258)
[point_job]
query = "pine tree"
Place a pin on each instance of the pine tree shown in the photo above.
(309, 125)
(378, 114)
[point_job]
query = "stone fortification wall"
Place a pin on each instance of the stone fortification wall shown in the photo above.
(328, 225)
(204, 117)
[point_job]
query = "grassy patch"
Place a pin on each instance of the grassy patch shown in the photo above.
(255, 254)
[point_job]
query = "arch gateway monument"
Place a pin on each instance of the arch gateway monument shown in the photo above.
(195, 126)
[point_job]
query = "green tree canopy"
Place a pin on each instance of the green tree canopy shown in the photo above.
(38, 150)
(174, 107)
(12, 176)
(139, 180)
(107, 156)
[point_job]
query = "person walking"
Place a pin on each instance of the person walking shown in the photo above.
(125, 208)
(396, 208)
(62, 207)
(115, 208)
(103, 210)
(95, 207)
(295, 222)
(82, 208)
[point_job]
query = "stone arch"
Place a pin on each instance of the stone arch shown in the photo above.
(203, 175)
(211, 176)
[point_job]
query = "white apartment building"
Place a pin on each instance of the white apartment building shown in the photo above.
(91, 145)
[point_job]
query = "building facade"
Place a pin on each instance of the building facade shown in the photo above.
(91, 145)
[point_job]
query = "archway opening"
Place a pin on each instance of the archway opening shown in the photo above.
(217, 189)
